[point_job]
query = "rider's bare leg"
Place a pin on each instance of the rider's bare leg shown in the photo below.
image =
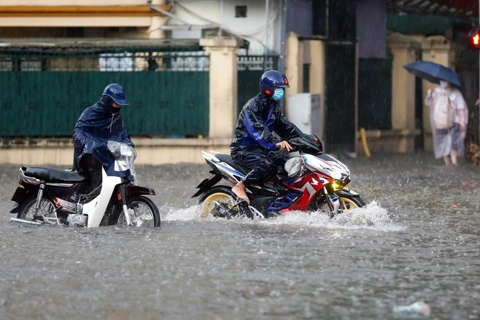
(240, 191)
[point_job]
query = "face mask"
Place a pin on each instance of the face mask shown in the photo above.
(278, 94)
(443, 84)
(114, 110)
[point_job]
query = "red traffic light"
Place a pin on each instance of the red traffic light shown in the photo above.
(474, 38)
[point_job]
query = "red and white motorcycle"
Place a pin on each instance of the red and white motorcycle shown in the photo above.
(314, 181)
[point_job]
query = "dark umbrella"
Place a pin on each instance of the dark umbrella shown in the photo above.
(433, 72)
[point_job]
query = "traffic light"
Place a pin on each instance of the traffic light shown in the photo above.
(474, 38)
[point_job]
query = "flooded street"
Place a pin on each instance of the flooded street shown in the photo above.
(423, 246)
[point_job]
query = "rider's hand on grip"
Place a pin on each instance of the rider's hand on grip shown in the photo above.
(283, 146)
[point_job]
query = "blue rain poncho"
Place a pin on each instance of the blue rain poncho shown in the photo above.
(96, 126)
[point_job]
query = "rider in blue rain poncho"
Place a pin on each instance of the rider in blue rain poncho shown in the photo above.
(254, 145)
(99, 124)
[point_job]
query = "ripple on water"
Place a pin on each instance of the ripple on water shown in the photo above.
(417, 239)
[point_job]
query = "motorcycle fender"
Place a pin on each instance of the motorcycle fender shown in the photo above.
(346, 192)
(19, 196)
(207, 184)
(133, 190)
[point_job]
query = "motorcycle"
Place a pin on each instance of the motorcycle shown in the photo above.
(312, 181)
(89, 198)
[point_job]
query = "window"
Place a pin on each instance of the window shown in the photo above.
(240, 11)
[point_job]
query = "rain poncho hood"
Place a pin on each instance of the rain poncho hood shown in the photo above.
(96, 126)
(258, 120)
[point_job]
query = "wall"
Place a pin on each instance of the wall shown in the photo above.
(251, 27)
(59, 152)
(371, 28)
(300, 17)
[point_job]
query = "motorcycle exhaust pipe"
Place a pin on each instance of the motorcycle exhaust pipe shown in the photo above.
(25, 221)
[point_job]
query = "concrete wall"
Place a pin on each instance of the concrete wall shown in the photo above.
(223, 77)
(403, 50)
(59, 152)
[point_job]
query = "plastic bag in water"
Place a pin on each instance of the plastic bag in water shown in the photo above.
(415, 309)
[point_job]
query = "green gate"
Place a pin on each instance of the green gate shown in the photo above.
(45, 90)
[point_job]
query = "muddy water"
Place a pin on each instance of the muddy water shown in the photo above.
(423, 246)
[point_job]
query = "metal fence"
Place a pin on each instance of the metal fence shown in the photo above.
(51, 57)
(46, 86)
(44, 89)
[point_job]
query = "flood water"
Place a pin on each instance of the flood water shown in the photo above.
(423, 246)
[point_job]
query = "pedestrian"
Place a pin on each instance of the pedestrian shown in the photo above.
(98, 124)
(254, 145)
(448, 118)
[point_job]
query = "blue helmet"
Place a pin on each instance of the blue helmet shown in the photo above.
(271, 79)
(117, 93)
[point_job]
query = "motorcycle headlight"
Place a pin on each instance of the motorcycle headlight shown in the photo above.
(336, 185)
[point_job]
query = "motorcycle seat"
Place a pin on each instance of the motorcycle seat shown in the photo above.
(228, 159)
(54, 175)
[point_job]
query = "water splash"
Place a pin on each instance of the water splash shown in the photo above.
(176, 214)
(372, 216)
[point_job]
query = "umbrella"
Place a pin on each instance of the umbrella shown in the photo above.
(433, 72)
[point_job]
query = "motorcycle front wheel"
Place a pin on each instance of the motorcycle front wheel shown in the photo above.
(45, 210)
(143, 213)
(216, 200)
(348, 201)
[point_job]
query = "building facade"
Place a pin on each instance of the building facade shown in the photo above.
(350, 53)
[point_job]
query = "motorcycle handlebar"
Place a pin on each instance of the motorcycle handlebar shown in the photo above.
(278, 148)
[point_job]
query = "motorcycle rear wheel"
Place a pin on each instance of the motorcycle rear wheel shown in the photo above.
(218, 194)
(143, 213)
(27, 209)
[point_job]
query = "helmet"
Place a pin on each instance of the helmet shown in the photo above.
(271, 79)
(117, 93)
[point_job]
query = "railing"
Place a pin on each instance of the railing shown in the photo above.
(44, 89)
(257, 63)
(101, 59)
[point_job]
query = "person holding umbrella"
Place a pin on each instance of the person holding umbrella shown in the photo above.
(448, 117)
(448, 110)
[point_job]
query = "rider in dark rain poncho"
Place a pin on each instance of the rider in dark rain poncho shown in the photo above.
(99, 124)
(254, 145)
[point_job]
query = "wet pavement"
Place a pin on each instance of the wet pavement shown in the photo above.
(423, 246)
